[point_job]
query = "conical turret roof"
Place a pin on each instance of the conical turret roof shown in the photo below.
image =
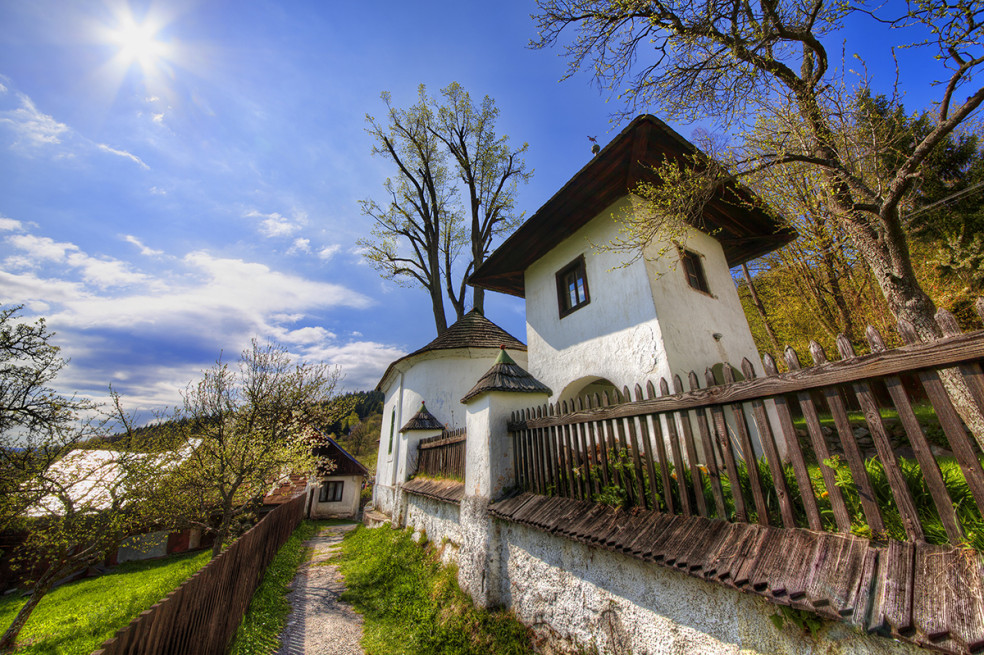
(506, 375)
(422, 420)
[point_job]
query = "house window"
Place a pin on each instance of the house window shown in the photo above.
(694, 270)
(392, 427)
(331, 492)
(572, 287)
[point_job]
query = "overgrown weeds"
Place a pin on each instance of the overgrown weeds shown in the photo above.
(412, 603)
(267, 614)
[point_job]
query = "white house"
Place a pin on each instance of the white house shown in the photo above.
(436, 375)
(337, 494)
(593, 321)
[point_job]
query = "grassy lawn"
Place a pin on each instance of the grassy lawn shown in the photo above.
(76, 618)
(412, 605)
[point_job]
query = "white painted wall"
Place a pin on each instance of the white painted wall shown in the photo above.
(644, 321)
(439, 378)
(348, 506)
(615, 336)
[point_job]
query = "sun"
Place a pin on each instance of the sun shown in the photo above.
(138, 43)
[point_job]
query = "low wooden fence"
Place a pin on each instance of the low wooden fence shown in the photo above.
(442, 456)
(201, 616)
(691, 452)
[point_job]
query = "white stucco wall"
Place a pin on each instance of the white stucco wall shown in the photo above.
(588, 598)
(439, 378)
(643, 321)
(615, 336)
(690, 318)
(348, 506)
(439, 520)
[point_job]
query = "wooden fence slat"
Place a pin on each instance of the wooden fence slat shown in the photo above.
(688, 439)
(917, 439)
(629, 424)
(664, 467)
(896, 481)
(724, 443)
(793, 451)
(834, 494)
(953, 428)
(671, 431)
(771, 453)
(849, 445)
(710, 454)
(741, 427)
(647, 446)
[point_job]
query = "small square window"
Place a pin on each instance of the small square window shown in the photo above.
(572, 287)
(331, 492)
(694, 270)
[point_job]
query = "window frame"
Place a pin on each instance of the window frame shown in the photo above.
(336, 486)
(563, 295)
(694, 259)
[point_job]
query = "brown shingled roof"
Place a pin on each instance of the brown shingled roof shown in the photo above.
(422, 420)
(506, 375)
(472, 330)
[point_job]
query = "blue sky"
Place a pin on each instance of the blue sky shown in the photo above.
(160, 205)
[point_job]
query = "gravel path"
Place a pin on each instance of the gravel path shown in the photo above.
(319, 623)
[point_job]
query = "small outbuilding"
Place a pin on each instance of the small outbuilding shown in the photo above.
(337, 494)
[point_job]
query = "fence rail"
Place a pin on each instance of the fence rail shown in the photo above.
(202, 615)
(442, 456)
(713, 451)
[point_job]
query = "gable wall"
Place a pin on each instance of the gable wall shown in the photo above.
(615, 336)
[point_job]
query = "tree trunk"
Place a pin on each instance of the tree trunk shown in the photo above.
(10, 636)
(437, 306)
(760, 308)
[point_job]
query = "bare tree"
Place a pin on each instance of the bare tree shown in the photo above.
(419, 234)
(490, 171)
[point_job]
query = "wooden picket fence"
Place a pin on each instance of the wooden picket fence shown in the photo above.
(202, 615)
(442, 456)
(691, 452)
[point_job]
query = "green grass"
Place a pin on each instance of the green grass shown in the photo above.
(924, 413)
(268, 610)
(77, 617)
(412, 605)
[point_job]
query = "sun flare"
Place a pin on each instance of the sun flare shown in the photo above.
(138, 43)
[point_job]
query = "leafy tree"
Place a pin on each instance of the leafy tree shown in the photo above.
(247, 426)
(744, 62)
(37, 424)
(420, 230)
(85, 504)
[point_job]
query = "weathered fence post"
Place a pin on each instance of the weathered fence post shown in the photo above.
(489, 470)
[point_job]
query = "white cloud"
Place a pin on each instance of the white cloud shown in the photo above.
(124, 154)
(144, 250)
(158, 118)
(32, 127)
(278, 225)
(328, 252)
(101, 272)
(10, 225)
(299, 246)
(157, 191)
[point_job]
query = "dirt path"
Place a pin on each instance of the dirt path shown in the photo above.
(319, 623)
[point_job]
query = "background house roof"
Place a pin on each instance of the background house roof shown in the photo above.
(345, 464)
(472, 330)
(745, 232)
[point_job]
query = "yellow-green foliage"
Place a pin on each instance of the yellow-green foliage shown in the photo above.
(76, 618)
(412, 604)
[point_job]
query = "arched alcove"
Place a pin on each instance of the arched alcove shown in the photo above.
(587, 386)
